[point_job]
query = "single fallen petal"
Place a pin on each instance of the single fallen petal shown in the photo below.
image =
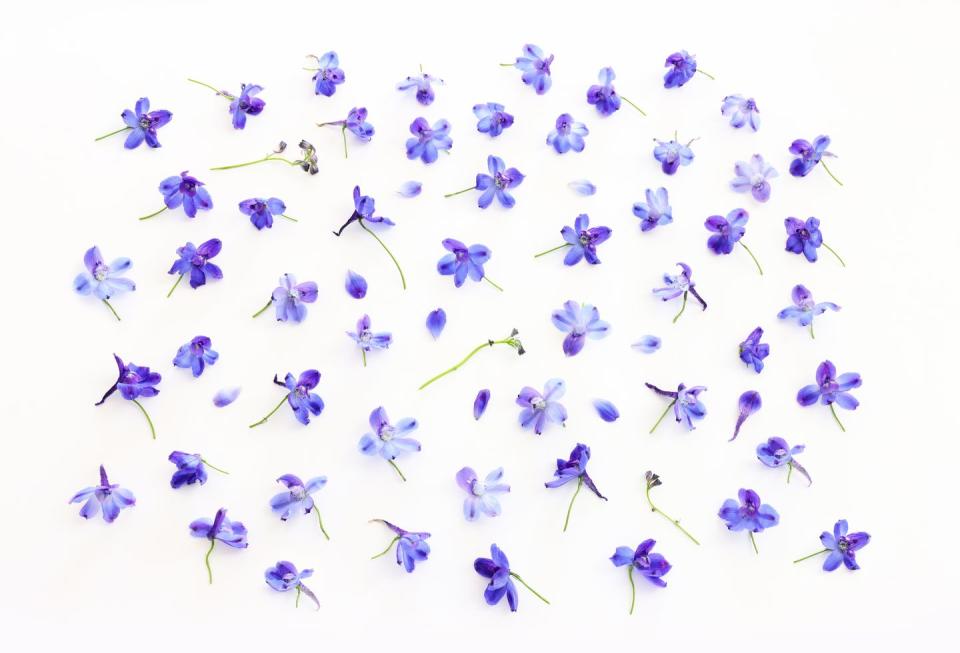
(606, 410)
(582, 187)
(436, 321)
(226, 397)
(356, 285)
(647, 344)
(410, 189)
(480, 403)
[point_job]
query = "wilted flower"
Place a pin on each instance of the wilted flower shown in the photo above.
(110, 497)
(535, 68)
(102, 280)
(302, 401)
(364, 208)
(231, 533)
(497, 569)
(367, 340)
(307, 162)
(775, 452)
(481, 494)
(480, 403)
(423, 83)
(656, 211)
(804, 308)
(511, 341)
(328, 74)
(753, 177)
(810, 154)
(436, 320)
(651, 566)
(195, 261)
(574, 467)
(185, 190)
(411, 547)
(538, 408)
(579, 322)
(582, 241)
(682, 67)
(297, 498)
(748, 514)
(672, 154)
(749, 404)
(685, 403)
(195, 355)
(284, 577)
(752, 352)
(389, 441)
(678, 285)
(568, 135)
(492, 119)
(463, 262)
(133, 382)
(290, 297)
(831, 389)
(741, 111)
(841, 546)
(142, 125)
(191, 468)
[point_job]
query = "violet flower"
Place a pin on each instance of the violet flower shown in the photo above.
(579, 322)
(511, 341)
(480, 403)
(389, 441)
(678, 285)
(111, 498)
(261, 211)
(195, 261)
(191, 468)
(481, 495)
(195, 355)
(184, 190)
(656, 211)
(497, 184)
(752, 351)
(652, 481)
(297, 498)
(805, 237)
(356, 123)
(673, 154)
(809, 155)
(327, 74)
(102, 280)
(497, 569)
(535, 68)
(134, 382)
(685, 403)
(491, 118)
(240, 105)
(411, 547)
(804, 308)
(463, 262)
(567, 135)
(574, 468)
(436, 321)
(841, 546)
(302, 401)
(424, 85)
(682, 67)
(741, 111)
(748, 514)
(231, 533)
(539, 409)
(284, 577)
(753, 177)
(289, 299)
(428, 141)
(307, 162)
(831, 389)
(750, 403)
(142, 125)
(604, 96)
(728, 232)
(775, 452)
(364, 208)
(367, 340)
(355, 285)
(582, 239)
(651, 566)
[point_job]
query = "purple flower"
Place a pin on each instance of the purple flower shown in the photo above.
(538, 408)
(741, 111)
(302, 402)
(672, 154)
(436, 320)
(492, 119)
(582, 187)
(245, 104)
(749, 404)
(142, 125)
(831, 389)
(809, 155)
(364, 208)
(355, 285)
(191, 468)
(804, 308)
(749, 514)
(226, 396)
(111, 498)
(480, 403)
(261, 211)
(656, 211)
(728, 232)
(582, 241)
(427, 141)
(752, 352)
(678, 285)
(328, 74)
(568, 135)
(463, 261)
(579, 322)
(297, 498)
(606, 410)
(355, 123)
(289, 299)
(134, 382)
(195, 355)
(647, 344)
(481, 495)
(682, 67)
(753, 177)
(574, 468)
(422, 83)
(497, 569)
(389, 441)
(775, 452)
(651, 566)
(685, 402)
(103, 280)
(186, 190)
(805, 238)
(231, 533)
(410, 189)
(500, 180)
(842, 546)
(284, 577)
(367, 340)
(604, 95)
(535, 68)
(411, 547)
(195, 261)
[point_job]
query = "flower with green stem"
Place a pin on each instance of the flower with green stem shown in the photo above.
(364, 208)
(284, 577)
(307, 162)
(102, 280)
(831, 389)
(142, 125)
(298, 498)
(231, 533)
(575, 467)
(302, 401)
(653, 481)
(356, 123)
(748, 514)
(497, 569)
(842, 547)
(651, 566)
(685, 403)
(679, 285)
(387, 440)
(134, 382)
(510, 340)
(240, 105)
(411, 547)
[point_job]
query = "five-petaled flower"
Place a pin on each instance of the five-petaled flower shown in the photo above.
(748, 514)
(604, 95)
(775, 452)
(284, 577)
(387, 440)
(497, 569)
(575, 467)
(367, 340)
(682, 66)
(231, 533)
(497, 184)
(753, 177)
(672, 154)
(102, 280)
(195, 261)
(481, 495)
(752, 351)
(423, 83)
(355, 123)
(328, 74)
(538, 409)
(195, 355)
(535, 68)
(804, 308)
(491, 118)
(185, 190)
(262, 211)
(567, 135)
(582, 239)
(110, 498)
(741, 111)
(134, 382)
(728, 232)
(297, 498)
(463, 261)
(651, 566)
(412, 547)
(142, 123)
(246, 104)
(843, 546)
(809, 155)
(685, 403)
(289, 299)
(805, 238)
(579, 322)
(428, 141)
(831, 389)
(656, 211)
(302, 401)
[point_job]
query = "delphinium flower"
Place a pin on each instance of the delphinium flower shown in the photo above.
(497, 569)
(480, 403)
(412, 547)
(185, 190)
(284, 577)
(574, 468)
(240, 105)
(727, 232)
(656, 211)
(582, 187)
(302, 401)
(567, 135)
(579, 322)
(753, 177)
(410, 189)
(195, 261)
(748, 514)
(752, 351)
(463, 262)
(491, 118)
(195, 355)
(436, 321)
(142, 123)
(805, 237)
(652, 481)
(606, 410)
(367, 340)
(355, 285)
(540, 409)
(226, 396)
(481, 495)
(356, 123)
(290, 297)
(364, 208)
(582, 239)
(327, 74)
(307, 161)
(424, 85)
(804, 308)
(678, 285)
(510, 341)
(497, 184)
(810, 154)
(535, 68)
(297, 498)
(231, 533)
(428, 141)
(102, 280)
(831, 389)
(110, 497)
(775, 452)
(673, 154)
(742, 111)
(262, 211)
(749, 403)
(685, 403)
(682, 67)
(647, 344)
(134, 382)
(191, 468)
(842, 547)
(389, 441)
(605, 97)
(651, 566)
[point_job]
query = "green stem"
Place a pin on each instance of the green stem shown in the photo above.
(122, 129)
(830, 249)
(508, 64)
(206, 561)
(703, 72)
(147, 217)
(669, 406)
(363, 354)
(753, 541)
(214, 467)
(487, 279)
(830, 173)
(284, 215)
(566, 522)
(633, 105)
(675, 522)
(257, 314)
(789, 472)
(839, 423)
(270, 414)
(456, 367)
(153, 431)
(752, 256)
(387, 550)
(397, 469)
(403, 279)
(215, 90)
(269, 157)
(111, 309)
(812, 337)
(551, 250)
(297, 604)
(812, 555)
(633, 588)
(461, 192)
(535, 592)
(344, 132)
(177, 283)
(322, 529)
(683, 307)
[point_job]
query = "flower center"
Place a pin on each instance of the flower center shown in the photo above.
(500, 181)
(843, 544)
(386, 432)
(539, 403)
(100, 271)
(478, 489)
(298, 492)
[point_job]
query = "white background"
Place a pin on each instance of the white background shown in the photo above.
(878, 77)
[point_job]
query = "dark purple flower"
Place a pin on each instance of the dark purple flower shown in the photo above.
(728, 231)
(191, 468)
(809, 155)
(842, 546)
(231, 533)
(411, 547)
(355, 285)
(355, 123)
(651, 566)
(364, 208)
(480, 494)
(685, 402)
(142, 125)
(749, 404)
(110, 497)
(387, 440)
(672, 154)
(436, 320)
(682, 67)
(302, 401)
(428, 141)
(579, 322)
(480, 403)
(195, 355)
(752, 351)
(497, 569)
(289, 299)
(741, 111)
(775, 452)
(491, 118)
(284, 577)
(423, 83)
(186, 190)
(328, 74)
(262, 211)
(568, 135)
(604, 96)
(831, 389)
(582, 239)
(463, 262)
(134, 382)
(574, 467)
(677, 285)
(539, 408)
(246, 104)
(748, 514)
(103, 280)
(606, 410)
(367, 340)
(805, 237)
(535, 68)
(753, 177)
(297, 498)
(804, 308)
(656, 211)
(195, 261)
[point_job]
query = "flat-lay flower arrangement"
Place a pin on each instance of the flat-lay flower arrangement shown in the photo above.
(391, 439)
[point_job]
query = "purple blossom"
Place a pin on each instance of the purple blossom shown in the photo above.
(604, 95)
(575, 467)
(367, 340)
(809, 155)
(538, 409)
(805, 238)
(677, 285)
(535, 68)
(389, 441)
(102, 280)
(651, 566)
(682, 67)
(741, 111)
(246, 104)
(195, 355)
(134, 382)
(582, 241)
(579, 322)
(748, 514)
(497, 569)
(752, 352)
(463, 261)
(328, 74)
(436, 320)
(261, 211)
(480, 403)
(185, 190)
(142, 125)
(302, 401)
(831, 389)
(775, 452)
(355, 123)
(427, 141)
(656, 211)
(753, 177)
(423, 83)
(804, 308)
(364, 208)
(497, 184)
(606, 410)
(231, 533)
(842, 546)
(582, 187)
(492, 119)
(481, 495)
(191, 468)
(111, 498)
(297, 498)
(284, 577)
(750, 403)
(685, 402)
(289, 298)
(411, 547)
(567, 135)
(728, 232)
(195, 261)
(672, 154)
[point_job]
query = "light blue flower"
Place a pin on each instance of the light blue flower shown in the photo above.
(568, 135)
(656, 211)
(481, 494)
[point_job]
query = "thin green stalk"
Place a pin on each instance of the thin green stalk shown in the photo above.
(830, 249)
(214, 467)
(487, 279)
(297, 604)
(508, 64)
(789, 472)
(397, 469)
(667, 410)
(812, 337)
(830, 173)
(269, 157)
(270, 414)
(206, 561)
(535, 592)
(752, 256)
(284, 215)
(122, 129)
(322, 529)
(675, 522)
(633, 588)
(264, 308)
(753, 541)
(387, 550)
(344, 132)
(633, 105)
(111, 309)
(566, 522)
(812, 555)
(456, 367)
(839, 423)
(215, 90)
(461, 192)
(153, 431)
(403, 279)
(703, 72)
(683, 307)
(551, 250)
(177, 283)
(147, 217)
(363, 354)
